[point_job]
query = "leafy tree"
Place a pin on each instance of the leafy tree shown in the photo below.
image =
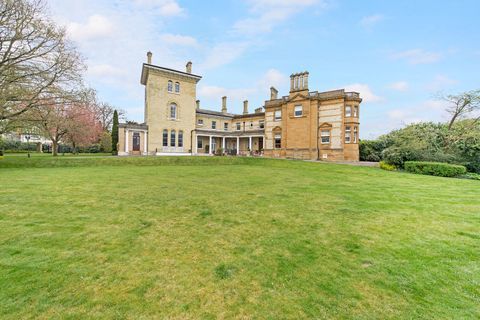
(115, 132)
(462, 105)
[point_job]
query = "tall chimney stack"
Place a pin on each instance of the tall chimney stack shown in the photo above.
(224, 104)
(273, 93)
(197, 104)
(245, 107)
(189, 67)
(149, 57)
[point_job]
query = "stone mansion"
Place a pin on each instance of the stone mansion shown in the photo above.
(302, 125)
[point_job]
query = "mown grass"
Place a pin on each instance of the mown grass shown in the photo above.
(235, 238)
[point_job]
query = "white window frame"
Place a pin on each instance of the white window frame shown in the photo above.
(325, 133)
(349, 113)
(348, 134)
(298, 108)
(199, 143)
(238, 126)
(180, 139)
(355, 111)
(261, 124)
(214, 125)
(225, 126)
(277, 115)
(355, 134)
(173, 134)
(170, 86)
(174, 108)
(177, 87)
(200, 122)
(275, 137)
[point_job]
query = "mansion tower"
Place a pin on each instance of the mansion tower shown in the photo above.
(302, 125)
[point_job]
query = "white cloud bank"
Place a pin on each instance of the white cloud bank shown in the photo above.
(417, 56)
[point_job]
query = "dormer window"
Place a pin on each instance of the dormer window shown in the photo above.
(170, 86)
(177, 87)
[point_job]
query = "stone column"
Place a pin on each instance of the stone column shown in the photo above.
(210, 145)
(126, 141)
(145, 136)
(250, 143)
(195, 146)
(223, 144)
(238, 145)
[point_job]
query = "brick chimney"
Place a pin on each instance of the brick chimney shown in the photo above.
(197, 104)
(189, 67)
(149, 57)
(224, 104)
(245, 107)
(273, 93)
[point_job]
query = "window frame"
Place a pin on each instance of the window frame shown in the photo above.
(173, 137)
(225, 126)
(174, 108)
(200, 122)
(238, 126)
(355, 111)
(275, 137)
(214, 124)
(177, 87)
(349, 114)
(165, 138)
(261, 124)
(348, 134)
(295, 111)
(180, 139)
(322, 136)
(199, 143)
(355, 134)
(275, 118)
(170, 86)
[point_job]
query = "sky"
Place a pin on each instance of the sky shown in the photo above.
(400, 55)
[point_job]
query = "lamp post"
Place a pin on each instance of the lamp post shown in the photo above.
(27, 136)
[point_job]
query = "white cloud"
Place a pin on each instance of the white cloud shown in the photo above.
(417, 56)
(179, 40)
(399, 86)
(269, 13)
(440, 82)
(223, 53)
(260, 88)
(97, 26)
(370, 21)
(166, 8)
(365, 92)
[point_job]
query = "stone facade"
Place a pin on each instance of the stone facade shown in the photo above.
(302, 125)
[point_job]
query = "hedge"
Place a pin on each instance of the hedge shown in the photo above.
(435, 168)
(385, 166)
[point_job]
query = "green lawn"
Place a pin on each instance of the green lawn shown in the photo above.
(229, 238)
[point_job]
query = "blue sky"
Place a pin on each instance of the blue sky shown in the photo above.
(398, 54)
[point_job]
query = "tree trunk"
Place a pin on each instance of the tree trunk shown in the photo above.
(54, 148)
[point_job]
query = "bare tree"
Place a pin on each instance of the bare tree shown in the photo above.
(104, 112)
(36, 60)
(462, 105)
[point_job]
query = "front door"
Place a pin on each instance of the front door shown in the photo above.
(260, 143)
(136, 141)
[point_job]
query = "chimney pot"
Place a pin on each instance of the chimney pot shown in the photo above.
(189, 67)
(245, 107)
(197, 104)
(149, 57)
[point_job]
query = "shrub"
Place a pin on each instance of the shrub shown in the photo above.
(471, 175)
(385, 166)
(435, 168)
(371, 150)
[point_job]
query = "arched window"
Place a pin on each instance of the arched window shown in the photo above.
(165, 138)
(170, 86)
(172, 138)
(177, 87)
(173, 111)
(180, 138)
